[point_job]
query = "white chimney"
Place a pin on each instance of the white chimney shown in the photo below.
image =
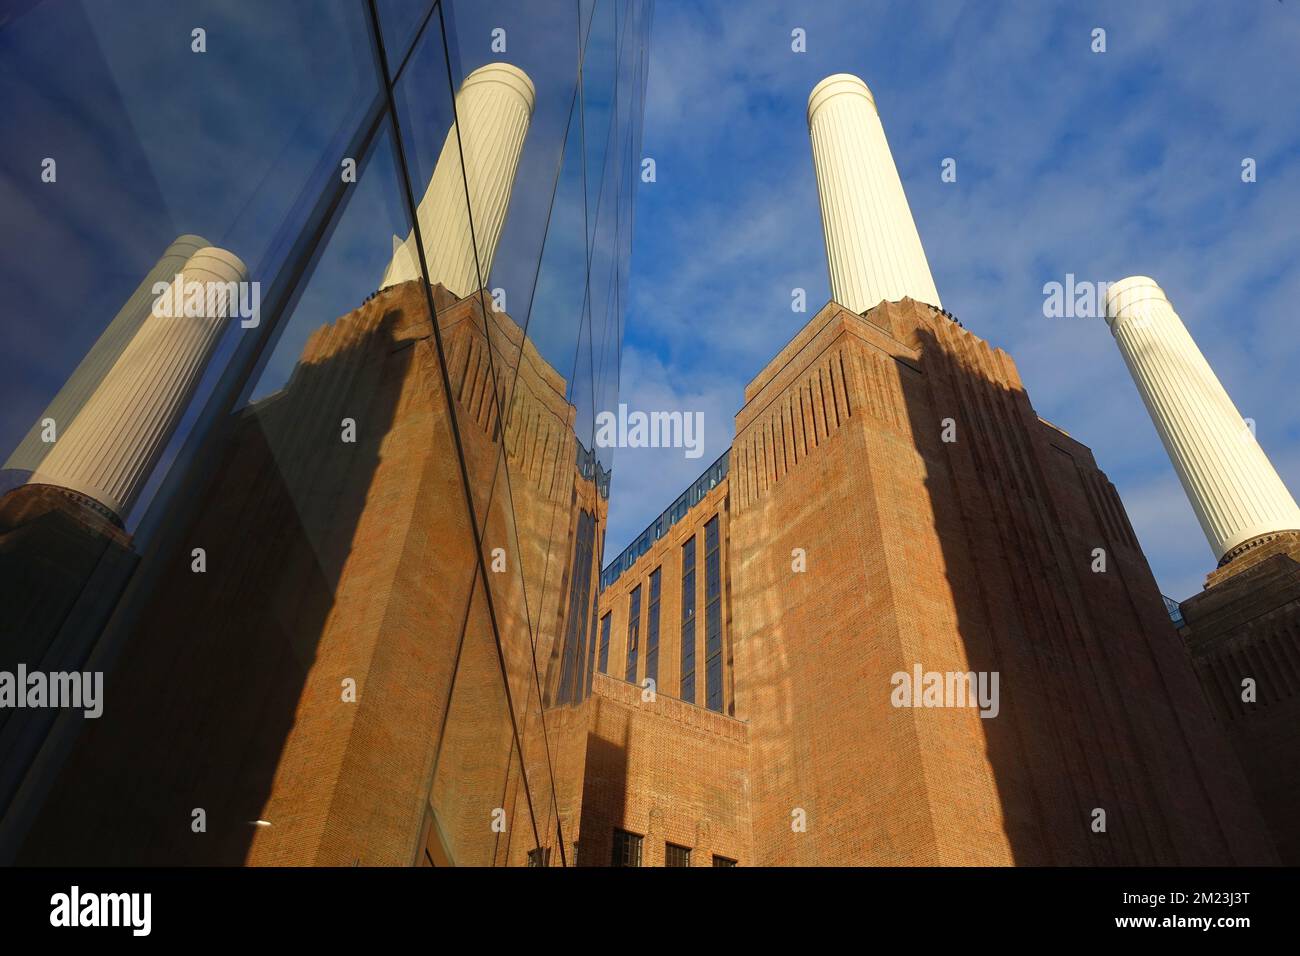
(72, 397)
(493, 110)
(109, 450)
(1236, 494)
(872, 246)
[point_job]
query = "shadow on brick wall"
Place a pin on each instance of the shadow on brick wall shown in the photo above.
(1097, 711)
(604, 797)
(200, 703)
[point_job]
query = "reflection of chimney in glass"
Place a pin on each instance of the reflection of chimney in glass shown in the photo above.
(74, 394)
(108, 450)
(872, 246)
(1233, 487)
(493, 110)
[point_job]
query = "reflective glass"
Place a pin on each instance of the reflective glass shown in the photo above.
(334, 533)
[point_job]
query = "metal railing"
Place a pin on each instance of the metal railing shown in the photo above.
(674, 513)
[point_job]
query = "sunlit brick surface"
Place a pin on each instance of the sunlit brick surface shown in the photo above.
(854, 543)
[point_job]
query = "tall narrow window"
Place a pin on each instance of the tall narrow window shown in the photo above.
(688, 620)
(633, 633)
(675, 855)
(604, 644)
(627, 849)
(712, 617)
(652, 629)
(592, 645)
(575, 635)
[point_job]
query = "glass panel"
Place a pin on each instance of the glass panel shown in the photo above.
(539, 41)
(478, 760)
(633, 634)
(598, 91)
(688, 621)
(515, 346)
(652, 629)
(147, 155)
(399, 21)
(374, 507)
(321, 638)
(179, 157)
(712, 617)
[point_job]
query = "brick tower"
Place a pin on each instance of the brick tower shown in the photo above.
(1243, 630)
(330, 561)
(860, 543)
(893, 505)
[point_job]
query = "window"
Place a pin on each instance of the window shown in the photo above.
(713, 682)
(652, 629)
(589, 672)
(675, 855)
(712, 617)
(571, 676)
(627, 849)
(604, 644)
(722, 861)
(633, 633)
(257, 173)
(688, 621)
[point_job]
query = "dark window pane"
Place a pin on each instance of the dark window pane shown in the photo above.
(688, 621)
(575, 635)
(652, 629)
(713, 683)
(633, 633)
(627, 849)
(604, 644)
(675, 855)
(712, 617)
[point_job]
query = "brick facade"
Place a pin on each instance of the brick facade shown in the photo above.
(1246, 625)
(893, 501)
(330, 562)
(974, 554)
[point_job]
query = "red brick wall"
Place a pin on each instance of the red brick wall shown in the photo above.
(664, 769)
(972, 555)
(328, 561)
(1246, 624)
(666, 554)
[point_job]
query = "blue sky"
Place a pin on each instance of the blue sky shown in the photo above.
(1099, 164)
(153, 141)
(237, 144)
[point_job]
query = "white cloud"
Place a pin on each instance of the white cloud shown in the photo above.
(643, 475)
(1104, 165)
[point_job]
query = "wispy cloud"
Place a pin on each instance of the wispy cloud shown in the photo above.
(641, 475)
(1103, 165)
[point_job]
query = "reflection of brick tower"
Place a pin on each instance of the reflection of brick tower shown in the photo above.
(64, 554)
(328, 561)
(337, 685)
(1243, 630)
